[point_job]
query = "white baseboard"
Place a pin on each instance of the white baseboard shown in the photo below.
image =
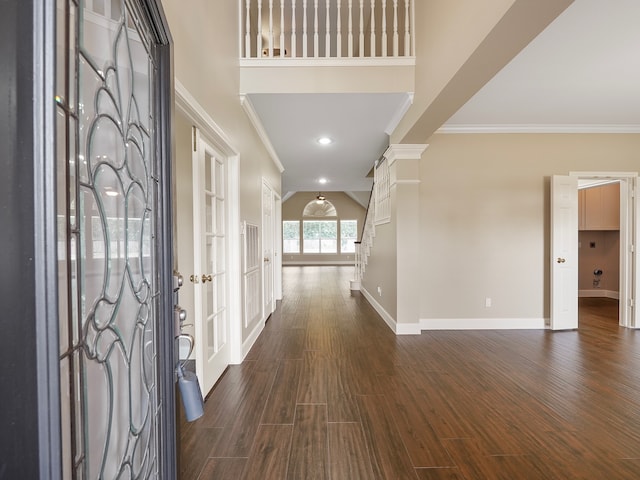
(317, 263)
(482, 324)
(389, 320)
(397, 328)
(251, 339)
(599, 293)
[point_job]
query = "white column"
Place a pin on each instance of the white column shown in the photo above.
(404, 166)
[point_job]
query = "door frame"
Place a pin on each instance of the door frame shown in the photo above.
(218, 139)
(272, 229)
(627, 316)
(30, 417)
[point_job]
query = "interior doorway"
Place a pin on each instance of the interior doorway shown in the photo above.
(607, 237)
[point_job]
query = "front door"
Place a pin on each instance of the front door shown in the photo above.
(114, 237)
(564, 252)
(211, 316)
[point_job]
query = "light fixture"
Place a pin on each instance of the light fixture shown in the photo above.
(323, 180)
(320, 198)
(324, 141)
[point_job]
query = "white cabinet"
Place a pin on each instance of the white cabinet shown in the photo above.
(599, 208)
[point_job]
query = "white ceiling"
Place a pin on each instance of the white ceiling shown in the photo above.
(581, 74)
(355, 122)
(582, 70)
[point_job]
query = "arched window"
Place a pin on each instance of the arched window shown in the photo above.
(319, 208)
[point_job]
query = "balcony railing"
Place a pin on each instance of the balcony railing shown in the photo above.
(349, 29)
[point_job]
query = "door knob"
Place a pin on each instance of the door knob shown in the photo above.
(206, 278)
(194, 279)
(560, 260)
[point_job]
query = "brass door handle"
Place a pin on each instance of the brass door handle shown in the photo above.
(560, 260)
(194, 279)
(206, 278)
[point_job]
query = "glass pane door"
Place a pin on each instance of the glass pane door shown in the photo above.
(108, 240)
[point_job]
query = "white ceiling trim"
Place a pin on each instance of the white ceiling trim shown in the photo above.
(257, 124)
(393, 123)
(329, 62)
(534, 128)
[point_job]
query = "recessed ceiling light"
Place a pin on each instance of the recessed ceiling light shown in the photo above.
(324, 141)
(322, 180)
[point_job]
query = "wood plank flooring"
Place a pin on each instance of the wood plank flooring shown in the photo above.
(329, 392)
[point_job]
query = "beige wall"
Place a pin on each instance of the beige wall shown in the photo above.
(206, 63)
(381, 269)
(604, 255)
(484, 209)
(347, 209)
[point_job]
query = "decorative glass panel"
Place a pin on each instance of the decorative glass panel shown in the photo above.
(106, 241)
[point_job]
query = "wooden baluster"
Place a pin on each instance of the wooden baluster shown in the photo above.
(304, 29)
(281, 28)
(350, 38)
(385, 47)
(316, 45)
(339, 32)
(294, 40)
(361, 38)
(270, 28)
(327, 37)
(407, 35)
(259, 34)
(247, 31)
(395, 28)
(373, 28)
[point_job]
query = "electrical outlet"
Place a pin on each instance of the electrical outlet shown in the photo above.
(379, 291)
(487, 302)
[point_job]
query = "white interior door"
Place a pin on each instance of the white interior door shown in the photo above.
(635, 247)
(564, 252)
(268, 228)
(211, 317)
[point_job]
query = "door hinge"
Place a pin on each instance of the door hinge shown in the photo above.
(195, 139)
(632, 302)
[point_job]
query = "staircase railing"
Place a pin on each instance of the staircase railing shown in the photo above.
(363, 247)
(327, 29)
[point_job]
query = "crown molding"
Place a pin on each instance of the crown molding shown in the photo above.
(538, 128)
(401, 151)
(397, 117)
(245, 101)
(189, 106)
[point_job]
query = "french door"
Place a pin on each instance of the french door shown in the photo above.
(114, 241)
(210, 277)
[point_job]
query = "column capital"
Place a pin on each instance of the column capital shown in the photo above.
(404, 151)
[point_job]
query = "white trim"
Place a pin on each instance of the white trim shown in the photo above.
(537, 128)
(189, 106)
(482, 323)
(399, 115)
(402, 151)
(389, 320)
(286, 263)
(287, 196)
(599, 294)
(406, 182)
(245, 101)
(251, 339)
(354, 285)
(234, 258)
(328, 62)
(604, 175)
(408, 329)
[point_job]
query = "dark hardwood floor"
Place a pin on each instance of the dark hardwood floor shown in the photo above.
(329, 392)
